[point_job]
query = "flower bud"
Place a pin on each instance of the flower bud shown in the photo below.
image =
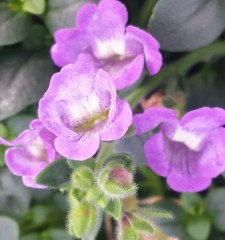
(121, 176)
(116, 182)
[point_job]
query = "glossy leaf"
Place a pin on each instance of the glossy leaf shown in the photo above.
(192, 203)
(24, 78)
(15, 197)
(8, 229)
(59, 234)
(199, 228)
(215, 206)
(34, 6)
(182, 25)
(62, 13)
(13, 25)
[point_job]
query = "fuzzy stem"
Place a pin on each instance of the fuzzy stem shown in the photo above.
(105, 151)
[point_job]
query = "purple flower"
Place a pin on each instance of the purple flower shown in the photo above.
(81, 108)
(102, 34)
(189, 152)
(30, 153)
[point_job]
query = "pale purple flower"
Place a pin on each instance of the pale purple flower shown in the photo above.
(81, 108)
(30, 153)
(102, 34)
(189, 152)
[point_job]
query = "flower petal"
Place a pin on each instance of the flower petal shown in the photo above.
(126, 71)
(184, 168)
(156, 156)
(48, 139)
(82, 149)
(152, 117)
(204, 119)
(118, 127)
(30, 182)
(150, 46)
(188, 183)
(212, 161)
(57, 107)
(69, 44)
(20, 162)
(104, 21)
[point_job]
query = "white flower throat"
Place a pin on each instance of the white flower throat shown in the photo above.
(87, 112)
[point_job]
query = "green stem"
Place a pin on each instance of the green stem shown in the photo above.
(180, 67)
(146, 12)
(105, 151)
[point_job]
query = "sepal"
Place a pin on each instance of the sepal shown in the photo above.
(83, 178)
(84, 221)
(114, 208)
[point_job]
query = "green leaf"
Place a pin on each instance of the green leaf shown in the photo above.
(75, 197)
(182, 25)
(3, 131)
(192, 203)
(75, 164)
(127, 233)
(102, 201)
(141, 225)
(215, 206)
(25, 76)
(32, 236)
(62, 14)
(59, 234)
(55, 175)
(154, 212)
(8, 229)
(15, 197)
(13, 25)
(37, 37)
(40, 214)
(34, 6)
(174, 227)
(199, 227)
(93, 193)
(114, 208)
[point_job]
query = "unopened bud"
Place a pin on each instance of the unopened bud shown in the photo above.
(121, 176)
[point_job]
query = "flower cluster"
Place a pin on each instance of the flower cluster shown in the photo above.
(30, 153)
(101, 34)
(81, 107)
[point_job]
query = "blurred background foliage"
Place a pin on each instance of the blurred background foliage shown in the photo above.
(191, 34)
